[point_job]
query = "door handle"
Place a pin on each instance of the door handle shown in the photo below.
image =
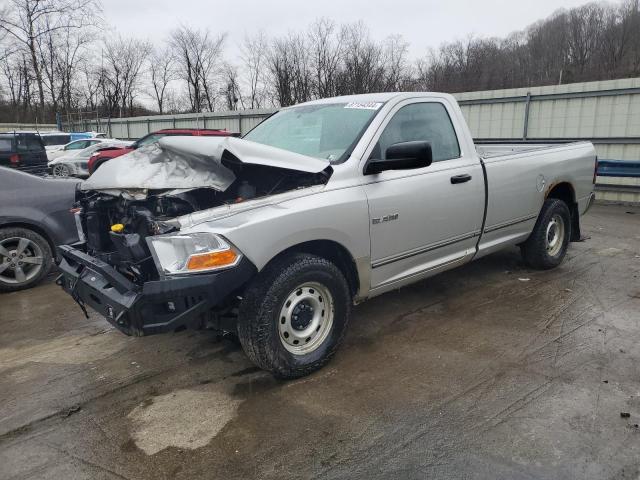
(465, 177)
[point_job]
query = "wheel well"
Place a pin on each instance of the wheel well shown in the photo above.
(40, 231)
(99, 161)
(564, 191)
(332, 251)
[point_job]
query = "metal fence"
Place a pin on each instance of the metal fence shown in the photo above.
(42, 127)
(606, 113)
(136, 127)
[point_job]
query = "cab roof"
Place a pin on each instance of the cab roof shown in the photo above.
(371, 97)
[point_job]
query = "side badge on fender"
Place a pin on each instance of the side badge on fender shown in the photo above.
(386, 218)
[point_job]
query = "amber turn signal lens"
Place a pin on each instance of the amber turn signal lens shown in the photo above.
(117, 228)
(203, 261)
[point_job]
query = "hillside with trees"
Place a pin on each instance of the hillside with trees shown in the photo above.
(55, 57)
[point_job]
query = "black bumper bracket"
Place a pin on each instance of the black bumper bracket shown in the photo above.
(156, 306)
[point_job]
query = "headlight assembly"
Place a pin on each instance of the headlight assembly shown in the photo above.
(192, 253)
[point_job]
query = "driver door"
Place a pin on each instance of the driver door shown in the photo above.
(426, 219)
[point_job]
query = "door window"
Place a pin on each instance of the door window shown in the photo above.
(5, 144)
(29, 143)
(421, 121)
(79, 145)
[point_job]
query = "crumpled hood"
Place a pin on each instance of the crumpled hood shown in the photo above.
(192, 162)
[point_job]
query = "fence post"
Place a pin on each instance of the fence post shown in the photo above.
(128, 134)
(526, 116)
(240, 123)
(148, 125)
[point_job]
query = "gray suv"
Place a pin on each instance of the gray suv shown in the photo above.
(23, 151)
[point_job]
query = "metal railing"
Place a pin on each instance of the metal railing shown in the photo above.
(619, 168)
(136, 127)
(42, 127)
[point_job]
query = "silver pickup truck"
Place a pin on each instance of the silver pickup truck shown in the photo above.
(276, 235)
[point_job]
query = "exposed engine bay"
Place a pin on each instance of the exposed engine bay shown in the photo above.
(116, 222)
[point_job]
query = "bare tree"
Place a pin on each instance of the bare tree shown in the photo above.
(254, 52)
(327, 49)
(28, 22)
(231, 90)
(396, 63)
(363, 63)
(48, 61)
(198, 53)
(15, 72)
(60, 51)
(162, 70)
(121, 71)
(289, 68)
(584, 30)
(90, 84)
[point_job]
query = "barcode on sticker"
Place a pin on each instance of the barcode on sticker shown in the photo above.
(364, 105)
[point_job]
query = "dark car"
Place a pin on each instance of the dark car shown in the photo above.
(35, 217)
(106, 154)
(23, 151)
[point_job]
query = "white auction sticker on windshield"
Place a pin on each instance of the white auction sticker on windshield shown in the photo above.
(364, 105)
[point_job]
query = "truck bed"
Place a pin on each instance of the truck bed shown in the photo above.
(492, 150)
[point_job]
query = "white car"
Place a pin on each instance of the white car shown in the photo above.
(56, 151)
(74, 162)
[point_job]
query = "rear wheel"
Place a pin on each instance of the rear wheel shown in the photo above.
(25, 258)
(294, 315)
(60, 170)
(548, 243)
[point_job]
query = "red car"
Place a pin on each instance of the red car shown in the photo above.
(108, 153)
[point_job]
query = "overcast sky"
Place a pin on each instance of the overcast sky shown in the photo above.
(423, 23)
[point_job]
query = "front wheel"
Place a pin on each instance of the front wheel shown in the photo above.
(548, 243)
(294, 315)
(25, 258)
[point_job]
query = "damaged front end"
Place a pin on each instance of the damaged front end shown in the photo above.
(135, 267)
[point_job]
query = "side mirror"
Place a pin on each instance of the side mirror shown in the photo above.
(402, 156)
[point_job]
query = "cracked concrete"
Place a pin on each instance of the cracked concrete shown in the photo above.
(471, 374)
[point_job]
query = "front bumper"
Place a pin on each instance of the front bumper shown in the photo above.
(156, 306)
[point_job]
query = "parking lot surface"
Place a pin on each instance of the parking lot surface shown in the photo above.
(488, 371)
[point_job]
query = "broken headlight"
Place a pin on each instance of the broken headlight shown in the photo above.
(192, 253)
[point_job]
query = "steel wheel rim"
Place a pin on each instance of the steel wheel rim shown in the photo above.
(554, 235)
(60, 171)
(21, 260)
(306, 318)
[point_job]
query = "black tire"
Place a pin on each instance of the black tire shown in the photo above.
(536, 251)
(260, 309)
(9, 284)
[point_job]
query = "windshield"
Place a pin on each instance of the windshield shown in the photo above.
(322, 131)
(154, 137)
(87, 152)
